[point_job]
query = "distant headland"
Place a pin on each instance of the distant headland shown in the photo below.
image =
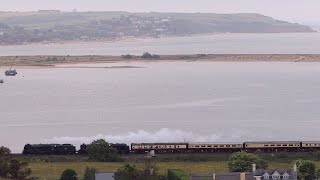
(51, 26)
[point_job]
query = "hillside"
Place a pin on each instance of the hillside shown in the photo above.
(51, 26)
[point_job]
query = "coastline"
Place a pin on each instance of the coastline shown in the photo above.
(55, 61)
(137, 39)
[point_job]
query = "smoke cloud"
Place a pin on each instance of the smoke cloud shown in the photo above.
(163, 135)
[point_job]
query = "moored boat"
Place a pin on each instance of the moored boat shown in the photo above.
(11, 72)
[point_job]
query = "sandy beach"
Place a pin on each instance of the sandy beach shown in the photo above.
(52, 61)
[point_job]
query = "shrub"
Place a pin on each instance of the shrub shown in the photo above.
(69, 174)
(127, 56)
(4, 151)
(101, 151)
(127, 172)
(146, 55)
(18, 169)
(89, 173)
(306, 169)
(177, 174)
(242, 162)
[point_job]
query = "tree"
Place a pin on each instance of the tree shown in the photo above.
(150, 172)
(18, 169)
(4, 168)
(146, 55)
(150, 168)
(101, 151)
(306, 169)
(127, 56)
(127, 172)
(242, 162)
(69, 174)
(89, 173)
(4, 151)
(318, 174)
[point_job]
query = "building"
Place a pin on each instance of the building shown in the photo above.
(256, 174)
(104, 176)
(274, 174)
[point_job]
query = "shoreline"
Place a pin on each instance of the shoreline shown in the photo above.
(55, 61)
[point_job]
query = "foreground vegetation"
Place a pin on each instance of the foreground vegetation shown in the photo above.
(54, 170)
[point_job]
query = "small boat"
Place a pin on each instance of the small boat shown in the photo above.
(11, 72)
(1, 81)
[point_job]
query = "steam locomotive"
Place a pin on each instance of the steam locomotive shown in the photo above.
(66, 149)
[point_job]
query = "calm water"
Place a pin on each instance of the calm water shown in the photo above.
(215, 44)
(176, 101)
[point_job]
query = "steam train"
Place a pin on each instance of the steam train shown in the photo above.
(66, 149)
(139, 148)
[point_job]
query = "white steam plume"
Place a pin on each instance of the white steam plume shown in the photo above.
(163, 135)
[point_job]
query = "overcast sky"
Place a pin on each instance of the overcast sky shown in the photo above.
(291, 10)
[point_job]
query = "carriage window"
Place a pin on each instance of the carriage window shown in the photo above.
(266, 145)
(221, 145)
(197, 146)
(272, 145)
(290, 144)
(203, 146)
(215, 146)
(227, 145)
(278, 144)
(285, 145)
(209, 146)
(234, 145)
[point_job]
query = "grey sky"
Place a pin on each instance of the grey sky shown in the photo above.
(291, 10)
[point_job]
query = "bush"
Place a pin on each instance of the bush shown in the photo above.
(89, 173)
(18, 169)
(101, 151)
(69, 174)
(306, 169)
(4, 151)
(146, 55)
(127, 56)
(242, 162)
(4, 168)
(127, 172)
(177, 174)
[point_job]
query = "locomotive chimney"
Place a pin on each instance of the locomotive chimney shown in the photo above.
(254, 167)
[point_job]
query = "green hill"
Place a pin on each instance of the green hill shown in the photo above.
(26, 27)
